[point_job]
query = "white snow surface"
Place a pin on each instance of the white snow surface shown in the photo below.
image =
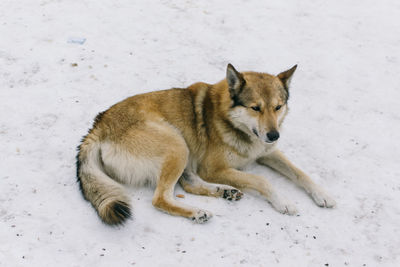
(343, 128)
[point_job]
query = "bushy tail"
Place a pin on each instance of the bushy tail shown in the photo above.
(106, 195)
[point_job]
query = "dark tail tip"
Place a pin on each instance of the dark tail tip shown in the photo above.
(117, 213)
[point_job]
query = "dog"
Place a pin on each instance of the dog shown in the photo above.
(200, 136)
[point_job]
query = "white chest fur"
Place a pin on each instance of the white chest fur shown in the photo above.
(251, 153)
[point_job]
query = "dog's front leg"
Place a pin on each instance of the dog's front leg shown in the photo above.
(277, 161)
(244, 180)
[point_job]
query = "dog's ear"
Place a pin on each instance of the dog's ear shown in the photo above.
(286, 76)
(235, 81)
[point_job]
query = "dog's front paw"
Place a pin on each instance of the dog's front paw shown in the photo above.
(322, 199)
(283, 206)
(232, 194)
(201, 216)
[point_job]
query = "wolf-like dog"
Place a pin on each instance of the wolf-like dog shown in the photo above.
(200, 136)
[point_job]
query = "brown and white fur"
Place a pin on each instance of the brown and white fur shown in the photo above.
(200, 136)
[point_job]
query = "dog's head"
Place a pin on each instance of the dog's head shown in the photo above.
(259, 101)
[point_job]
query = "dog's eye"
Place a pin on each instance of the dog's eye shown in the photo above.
(256, 108)
(278, 107)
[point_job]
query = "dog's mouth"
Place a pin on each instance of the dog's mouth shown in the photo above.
(255, 132)
(266, 140)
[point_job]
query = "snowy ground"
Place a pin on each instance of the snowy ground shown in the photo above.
(343, 128)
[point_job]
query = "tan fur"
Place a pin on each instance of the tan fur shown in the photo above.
(207, 131)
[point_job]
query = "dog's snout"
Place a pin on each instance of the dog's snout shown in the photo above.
(273, 136)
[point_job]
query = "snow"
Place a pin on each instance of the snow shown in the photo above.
(343, 128)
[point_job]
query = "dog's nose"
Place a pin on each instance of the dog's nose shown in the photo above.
(273, 136)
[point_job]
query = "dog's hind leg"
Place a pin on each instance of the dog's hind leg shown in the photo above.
(174, 163)
(192, 183)
(277, 161)
(164, 195)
